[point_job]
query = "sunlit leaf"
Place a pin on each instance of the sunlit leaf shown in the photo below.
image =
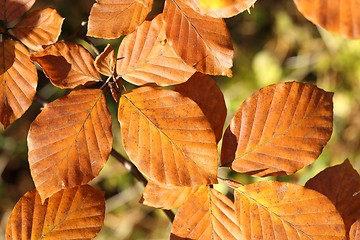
(208, 214)
(18, 78)
(13, 9)
(340, 17)
(146, 57)
(275, 210)
(201, 41)
(168, 137)
(41, 27)
(70, 141)
(111, 18)
(67, 65)
(105, 62)
(278, 130)
(203, 90)
(355, 231)
(341, 184)
(166, 196)
(76, 213)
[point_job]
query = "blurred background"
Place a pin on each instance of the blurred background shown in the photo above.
(273, 43)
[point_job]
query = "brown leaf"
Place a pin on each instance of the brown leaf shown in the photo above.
(18, 79)
(111, 19)
(340, 184)
(275, 210)
(220, 8)
(207, 214)
(201, 41)
(69, 214)
(13, 9)
(105, 62)
(67, 65)
(355, 231)
(146, 57)
(165, 196)
(168, 137)
(340, 17)
(69, 141)
(210, 99)
(278, 130)
(41, 27)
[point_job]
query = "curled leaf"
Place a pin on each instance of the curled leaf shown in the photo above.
(105, 62)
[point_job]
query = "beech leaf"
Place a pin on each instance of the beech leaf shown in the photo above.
(275, 210)
(69, 214)
(70, 141)
(105, 62)
(207, 214)
(67, 65)
(355, 231)
(278, 130)
(146, 57)
(201, 41)
(13, 9)
(111, 18)
(168, 137)
(41, 27)
(18, 79)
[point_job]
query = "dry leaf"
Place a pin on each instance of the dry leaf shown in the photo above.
(13, 9)
(355, 231)
(105, 62)
(278, 130)
(69, 141)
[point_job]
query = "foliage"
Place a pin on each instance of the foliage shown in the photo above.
(170, 124)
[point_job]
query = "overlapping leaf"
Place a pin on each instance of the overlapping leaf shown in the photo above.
(13, 9)
(275, 210)
(340, 184)
(165, 196)
(340, 17)
(69, 214)
(111, 18)
(18, 78)
(146, 57)
(168, 137)
(41, 27)
(70, 141)
(278, 130)
(201, 41)
(67, 65)
(105, 62)
(208, 214)
(355, 231)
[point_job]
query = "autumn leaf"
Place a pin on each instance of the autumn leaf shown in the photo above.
(67, 65)
(339, 17)
(111, 19)
(70, 141)
(355, 231)
(69, 214)
(105, 62)
(168, 137)
(146, 57)
(41, 27)
(18, 79)
(345, 183)
(201, 41)
(278, 130)
(207, 214)
(275, 210)
(13, 9)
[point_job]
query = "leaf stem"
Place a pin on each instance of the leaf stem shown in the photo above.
(230, 183)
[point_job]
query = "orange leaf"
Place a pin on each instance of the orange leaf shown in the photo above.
(39, 28)
(69, 141)
(146, 57)
(13, 9)
(165, 196)
(207, 214)
(69, 214)
(210, 99)
(275, 210)
(67, 65)
(340, 184)
(278, 130)
(201, 41)
(355, 231)
(111, 19)
(18, 79)
(220, 8)
(168, 137)
(105, 62)
(340, 17)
